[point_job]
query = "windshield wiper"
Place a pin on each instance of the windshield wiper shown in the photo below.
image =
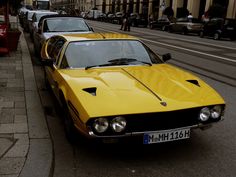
(77, 30)
(128, 60)
(107, 64)
(119, 61)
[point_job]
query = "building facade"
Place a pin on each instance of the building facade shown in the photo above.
(149, 7)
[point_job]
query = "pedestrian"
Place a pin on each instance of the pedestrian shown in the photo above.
(123, 21)
(190, 17)
(128, 22)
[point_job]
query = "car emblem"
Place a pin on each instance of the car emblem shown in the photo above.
(163, 103)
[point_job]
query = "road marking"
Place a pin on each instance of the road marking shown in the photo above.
(197, 42)
(180, 48)
(190, 50)
(186, 40)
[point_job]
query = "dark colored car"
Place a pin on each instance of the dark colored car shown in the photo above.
(117, 18)
(161, 23)
(109, 17)
(219, 27)
(138, 20)
(185, 26)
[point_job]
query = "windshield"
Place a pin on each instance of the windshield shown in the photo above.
(90, 53)
(65, 25)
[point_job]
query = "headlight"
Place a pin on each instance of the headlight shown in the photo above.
(216, 112)
(100, 125)
(118, 124)
(204, 114)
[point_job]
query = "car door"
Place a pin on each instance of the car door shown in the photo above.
(38, 37)
(54, 48)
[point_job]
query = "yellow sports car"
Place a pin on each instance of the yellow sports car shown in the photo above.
(112, 86)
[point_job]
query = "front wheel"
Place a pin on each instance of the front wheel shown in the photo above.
(170, 30)
(70, 130)
(184, 31)
(69, 127)
(201, 34)
(216, 36)
(163, 28)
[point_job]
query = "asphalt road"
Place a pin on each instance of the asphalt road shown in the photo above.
(209, 153)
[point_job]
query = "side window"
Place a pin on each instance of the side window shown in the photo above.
(40, 24)
(45, 26)
(57, 49)
(64, 63)
(51, 45)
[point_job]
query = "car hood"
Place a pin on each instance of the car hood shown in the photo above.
(50, 34)
(136, 89)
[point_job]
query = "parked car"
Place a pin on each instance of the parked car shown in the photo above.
(50, 25)
(27, 19)
(117, 18)
(33, 25)
(93, 14)
(184, 26)
(138, 20)
(101, 17)
(161, 23)
(110, 17)
(123, 89)
(219, 27)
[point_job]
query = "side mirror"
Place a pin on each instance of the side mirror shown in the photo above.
(166, 57)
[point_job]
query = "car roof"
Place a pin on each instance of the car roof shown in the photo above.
(56, 16)
(45, 12)
(97, 36)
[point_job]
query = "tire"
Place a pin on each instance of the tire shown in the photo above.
(170, 30)
(132, 24)
(163, 28)
(184, 31)
(201, 34)
(70, 130)
(216, 36)
(46, 82)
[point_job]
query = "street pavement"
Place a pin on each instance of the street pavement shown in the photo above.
(25, 144)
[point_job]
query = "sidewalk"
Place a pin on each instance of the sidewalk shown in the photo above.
(25, 144)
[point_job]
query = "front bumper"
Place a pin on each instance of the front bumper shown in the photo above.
(91, 134)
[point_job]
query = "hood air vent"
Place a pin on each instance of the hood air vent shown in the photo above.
(195, 82)
(91, 90)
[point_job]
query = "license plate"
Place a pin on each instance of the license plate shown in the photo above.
(166, 135)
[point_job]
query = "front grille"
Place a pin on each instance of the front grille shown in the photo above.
(162, 120)
(155, 121)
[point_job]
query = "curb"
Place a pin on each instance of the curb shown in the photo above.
(39, 160)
